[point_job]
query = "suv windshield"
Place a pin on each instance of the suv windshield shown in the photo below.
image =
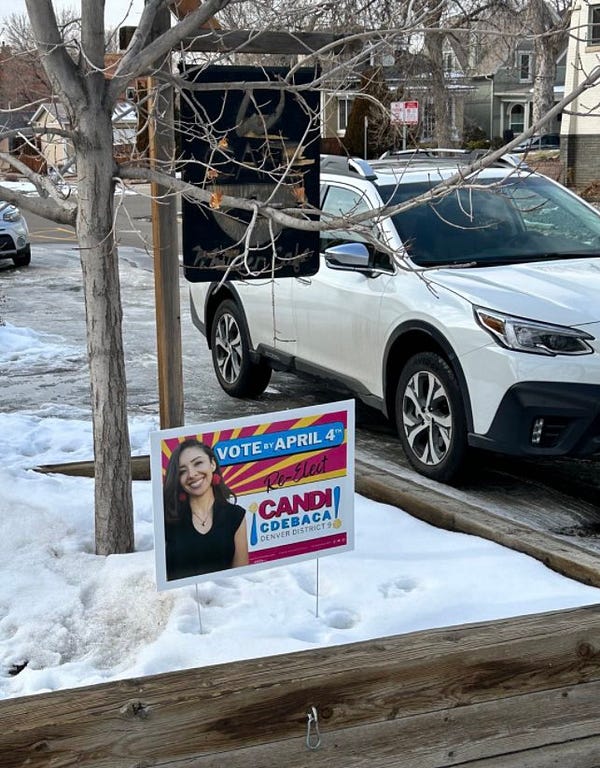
(510, 221)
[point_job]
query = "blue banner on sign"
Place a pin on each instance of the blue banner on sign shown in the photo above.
(274, 444)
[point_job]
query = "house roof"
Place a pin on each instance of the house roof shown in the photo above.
(124, 112)
(55, 109)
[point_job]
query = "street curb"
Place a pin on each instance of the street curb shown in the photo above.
(456, 515)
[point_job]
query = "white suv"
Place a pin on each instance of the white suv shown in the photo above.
(14, 235)
(479, 325)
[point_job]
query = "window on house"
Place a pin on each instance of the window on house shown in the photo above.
(344, 107)
(427, 122)
(594, 26)
(524, 64)
(516, 118)
(561, 68)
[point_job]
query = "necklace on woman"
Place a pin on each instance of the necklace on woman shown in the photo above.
(200, 520)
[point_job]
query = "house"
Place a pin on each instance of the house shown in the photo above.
(51, 119)
(489, 66)
(580, 128)
(502, 70)
(11, 143)
(48, 119)
(408, 77)
(502, 101)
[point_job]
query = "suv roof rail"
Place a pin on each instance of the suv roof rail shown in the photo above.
(422, 158)
(417, 152)
(347, 166)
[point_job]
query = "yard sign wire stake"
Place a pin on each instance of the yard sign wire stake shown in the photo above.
(198, 607)
(317, 592)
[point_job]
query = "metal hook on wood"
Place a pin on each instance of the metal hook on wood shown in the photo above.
(313, 736)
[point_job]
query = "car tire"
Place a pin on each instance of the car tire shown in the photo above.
(237, 373)
(430, 417)
(23, 259)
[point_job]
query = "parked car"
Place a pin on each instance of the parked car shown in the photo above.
(476, 323)
(547, 141)
(14, 235)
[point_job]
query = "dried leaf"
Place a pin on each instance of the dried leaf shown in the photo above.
(223, 143)
(211, 174)
(300, 194)
(215, 200)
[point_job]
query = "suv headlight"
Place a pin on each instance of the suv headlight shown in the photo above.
(531, 336)
(11, 213)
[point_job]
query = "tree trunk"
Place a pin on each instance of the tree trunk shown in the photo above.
(439, 93)
(545, 73)
(441, 108)
(100, 266)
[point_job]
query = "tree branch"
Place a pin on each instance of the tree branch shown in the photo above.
(59, 67)
(141, 58)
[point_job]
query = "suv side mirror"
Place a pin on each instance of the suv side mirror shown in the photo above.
(348, 256)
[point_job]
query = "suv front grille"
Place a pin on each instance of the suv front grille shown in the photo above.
(6, 243)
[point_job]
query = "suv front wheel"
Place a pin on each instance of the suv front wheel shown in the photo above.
(23, 258)
(237, 373)
(430, 417)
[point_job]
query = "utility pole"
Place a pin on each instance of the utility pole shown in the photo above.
(166, 257)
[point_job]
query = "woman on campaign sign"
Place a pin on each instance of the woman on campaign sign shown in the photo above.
(204, 532)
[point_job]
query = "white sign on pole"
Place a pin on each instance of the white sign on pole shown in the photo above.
(404, 112)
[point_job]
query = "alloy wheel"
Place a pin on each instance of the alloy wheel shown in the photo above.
(228, 348)
(427, 417)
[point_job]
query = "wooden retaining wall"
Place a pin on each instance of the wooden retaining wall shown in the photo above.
(518, 693)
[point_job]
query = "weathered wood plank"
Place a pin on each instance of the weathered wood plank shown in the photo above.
(259, 41)
(579, 753)
(508, 733)
(246, 704)
(515, 726)
(140, 468)
(456, 515)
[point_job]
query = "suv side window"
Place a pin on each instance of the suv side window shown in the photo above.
(339, 201)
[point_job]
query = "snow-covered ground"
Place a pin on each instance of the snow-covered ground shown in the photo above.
(70, 618)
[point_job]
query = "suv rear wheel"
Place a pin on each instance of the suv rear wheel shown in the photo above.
(430, 417)
(237, 373)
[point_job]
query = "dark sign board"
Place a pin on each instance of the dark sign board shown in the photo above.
(255, 143)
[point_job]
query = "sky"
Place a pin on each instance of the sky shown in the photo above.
(115, 10)
(69, 617)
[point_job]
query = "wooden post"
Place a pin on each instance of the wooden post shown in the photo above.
(166, 259)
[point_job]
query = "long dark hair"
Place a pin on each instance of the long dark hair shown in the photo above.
(176, 503)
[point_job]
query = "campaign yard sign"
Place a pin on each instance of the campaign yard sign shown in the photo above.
(292, 474)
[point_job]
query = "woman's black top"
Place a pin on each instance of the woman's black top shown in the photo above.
(190, 553)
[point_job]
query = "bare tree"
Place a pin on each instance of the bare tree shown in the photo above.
(22, 79)
(547, 22)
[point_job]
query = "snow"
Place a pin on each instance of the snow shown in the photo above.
(69, 617)
(27, 188)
